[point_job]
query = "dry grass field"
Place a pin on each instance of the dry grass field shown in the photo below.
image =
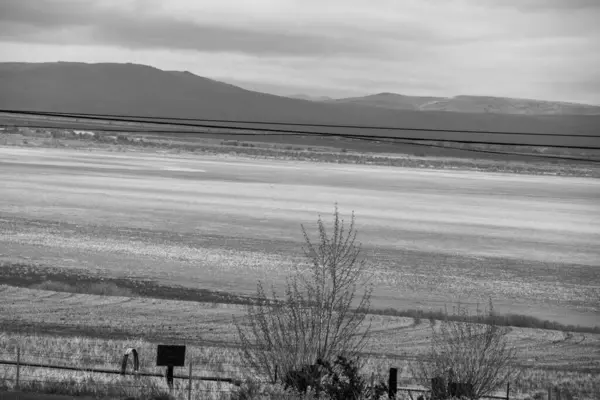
(431, 237)
(226, 362)
(220, 223)
(210, 324)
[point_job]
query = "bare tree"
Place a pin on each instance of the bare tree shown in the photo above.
(320, 316)
(475, 354)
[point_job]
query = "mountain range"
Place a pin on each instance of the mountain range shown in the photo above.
(470, 104)
(133, 89)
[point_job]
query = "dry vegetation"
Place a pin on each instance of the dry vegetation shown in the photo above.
(140, 314)
(549, 358)
(85, 352)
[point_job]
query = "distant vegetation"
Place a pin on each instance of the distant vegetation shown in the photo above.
(314, 149)
(98, 288)
(516, 320)
(62, 280)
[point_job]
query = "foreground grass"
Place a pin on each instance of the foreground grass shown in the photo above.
(209, 324)
(87, 353)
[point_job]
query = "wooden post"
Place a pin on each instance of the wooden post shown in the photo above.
(170, 377)
(550, 393)
(18, 366)
(393, 383)
(508, 391)
(557, 393)
(190, 382)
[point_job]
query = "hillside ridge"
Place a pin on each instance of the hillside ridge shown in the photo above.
(136, 89)
(471, 104)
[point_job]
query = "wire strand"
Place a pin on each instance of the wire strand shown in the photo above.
(124, 118)
(386, 139)
(334, 134)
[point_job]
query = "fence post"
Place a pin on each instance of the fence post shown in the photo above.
(393, 383)
(557, 393)
(190, 382)
(18, 366)
(169, 375)
(507, 391)
(550, 393)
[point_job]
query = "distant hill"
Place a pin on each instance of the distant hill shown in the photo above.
(472, 104)
(311, 98)
(506, 105)
(389, 100)
(133, 89)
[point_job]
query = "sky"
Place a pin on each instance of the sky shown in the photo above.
(539, 49)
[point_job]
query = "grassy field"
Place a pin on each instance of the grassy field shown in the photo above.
(210, 324)
(213, 225)
(226, 362)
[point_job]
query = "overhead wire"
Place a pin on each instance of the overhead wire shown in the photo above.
(155, 119)
(345, 135)
(260, 131)
(366, 138)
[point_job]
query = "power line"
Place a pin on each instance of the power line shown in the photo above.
(135, 130)
(390, 140)
(377, 139)
(125, 118)
(506, 153)
(337, 134)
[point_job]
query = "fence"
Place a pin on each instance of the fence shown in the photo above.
(131, 382)
(393, 388)
(22, 373)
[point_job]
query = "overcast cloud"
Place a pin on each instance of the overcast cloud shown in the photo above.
(547, 49)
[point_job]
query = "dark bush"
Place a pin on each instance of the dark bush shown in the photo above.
(309, 376)
(337, 380)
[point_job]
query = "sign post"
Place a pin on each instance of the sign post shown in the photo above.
(170, 356)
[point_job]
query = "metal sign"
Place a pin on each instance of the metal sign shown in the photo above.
(170, 356)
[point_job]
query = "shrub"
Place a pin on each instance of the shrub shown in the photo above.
(248, 390)
(337, 380)
(316, 319)
(307, 377)
(475, 355)
(254, 390)
(343, 380)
